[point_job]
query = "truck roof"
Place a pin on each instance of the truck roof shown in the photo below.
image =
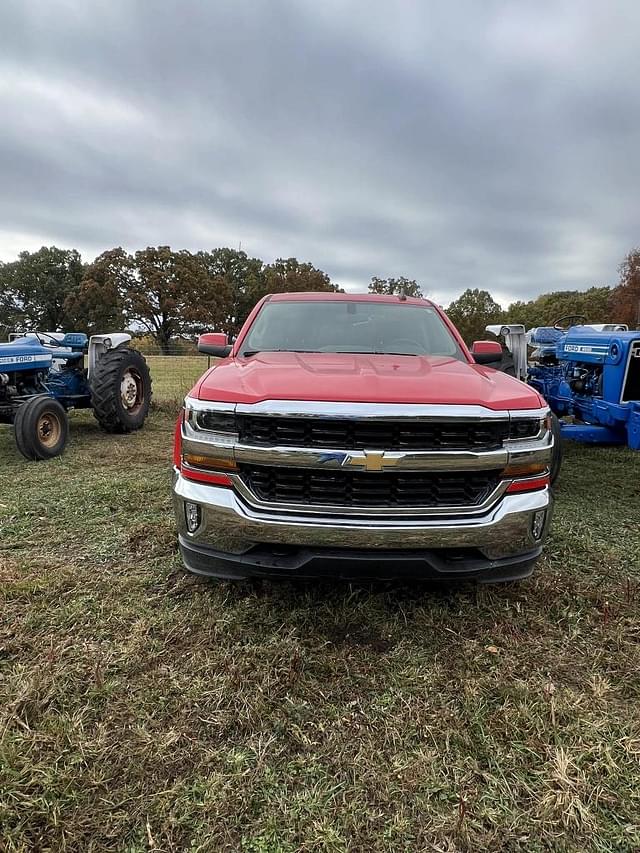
(322, 296)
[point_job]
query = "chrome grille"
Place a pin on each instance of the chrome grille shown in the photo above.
(366, 434)
(309, 487)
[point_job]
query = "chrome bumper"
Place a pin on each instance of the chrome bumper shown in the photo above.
(230, 526)
(237, 526)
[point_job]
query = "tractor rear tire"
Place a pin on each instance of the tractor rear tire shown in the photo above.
(121, 390)
(556, 456)
(41, 428)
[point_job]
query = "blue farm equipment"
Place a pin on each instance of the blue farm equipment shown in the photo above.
(43, 376)
(589, 375)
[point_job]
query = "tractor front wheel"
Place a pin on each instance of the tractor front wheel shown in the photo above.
(121, 390)
(41, 428)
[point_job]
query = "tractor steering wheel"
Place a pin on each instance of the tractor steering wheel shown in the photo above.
(560, 328)
(52, 340)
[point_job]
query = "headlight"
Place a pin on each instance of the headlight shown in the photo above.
(224, 422)
(208, 440)
(526, 427)
(217, 420)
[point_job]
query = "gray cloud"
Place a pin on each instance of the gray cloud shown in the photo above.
(461, 144)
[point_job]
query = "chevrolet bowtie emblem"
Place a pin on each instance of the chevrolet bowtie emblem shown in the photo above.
(373, 460)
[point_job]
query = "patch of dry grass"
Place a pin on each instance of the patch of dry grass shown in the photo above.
(145, 709)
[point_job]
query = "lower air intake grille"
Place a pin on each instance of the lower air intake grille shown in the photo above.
(311, 487)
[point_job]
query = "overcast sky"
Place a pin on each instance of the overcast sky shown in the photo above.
(464, 144)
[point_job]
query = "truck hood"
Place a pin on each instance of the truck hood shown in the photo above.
(356, 378)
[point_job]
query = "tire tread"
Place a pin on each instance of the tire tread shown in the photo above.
(105, 388)
(25, 426)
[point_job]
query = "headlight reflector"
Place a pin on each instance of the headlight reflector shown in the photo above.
(526, 427)
(212, 421)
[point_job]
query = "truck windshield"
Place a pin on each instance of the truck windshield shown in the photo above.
(350, 327)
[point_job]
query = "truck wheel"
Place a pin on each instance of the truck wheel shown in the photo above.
(41, 428)
(121, 390)
(556, 458)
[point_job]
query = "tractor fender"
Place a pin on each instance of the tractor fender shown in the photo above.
(100, 344)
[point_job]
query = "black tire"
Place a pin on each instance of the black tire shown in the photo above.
(556, 457)
(507, 365)
(41, 428)
(19, 435)
(117, 410)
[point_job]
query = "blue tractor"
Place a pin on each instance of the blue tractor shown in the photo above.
(589, 375)
(43, 376)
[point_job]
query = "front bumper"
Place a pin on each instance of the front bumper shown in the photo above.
(234, 540)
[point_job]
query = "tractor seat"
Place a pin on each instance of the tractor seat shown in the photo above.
(69, 348)
(74, 340)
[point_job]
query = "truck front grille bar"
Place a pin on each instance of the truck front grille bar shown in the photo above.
(346, 434)
(313, 487)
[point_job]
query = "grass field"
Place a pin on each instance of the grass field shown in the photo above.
(145, 709)
(173, 376)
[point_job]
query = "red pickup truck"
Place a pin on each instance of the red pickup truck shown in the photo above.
(355, 435)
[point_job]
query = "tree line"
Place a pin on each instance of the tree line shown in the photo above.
(167, 294)
(162, 292)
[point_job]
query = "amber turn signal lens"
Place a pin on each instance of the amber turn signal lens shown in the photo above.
(212, 463)
(524, 470)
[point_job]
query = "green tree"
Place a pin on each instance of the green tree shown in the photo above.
(472, 311)
(625, 298)
(526, 313)
(97, 306)
(9, 309)
(161, 290)
(154, 289)
(292, 276)
(37, 285)
(594, 304)
(395, 286)
(233, 282)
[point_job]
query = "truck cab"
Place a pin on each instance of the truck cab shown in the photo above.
(356, 435)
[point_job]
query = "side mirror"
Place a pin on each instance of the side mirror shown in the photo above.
(486, 352)
(214, 343)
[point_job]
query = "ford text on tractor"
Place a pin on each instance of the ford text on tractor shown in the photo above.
(43, 376)
(356, 435)
(589, 375)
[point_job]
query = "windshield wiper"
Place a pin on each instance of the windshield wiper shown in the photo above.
(373, 352)
(250, 352)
